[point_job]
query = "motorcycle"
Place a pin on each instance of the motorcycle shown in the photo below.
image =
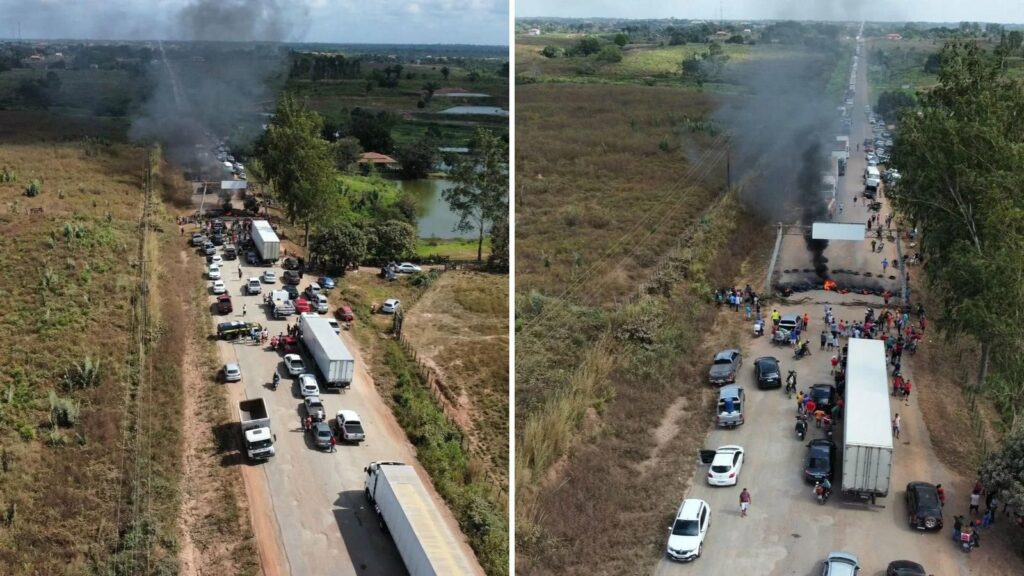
(801, 427)
(277, 380)
(801, 352)
(821, 493)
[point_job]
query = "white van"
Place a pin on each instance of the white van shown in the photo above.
(321, 304)
(871, 172)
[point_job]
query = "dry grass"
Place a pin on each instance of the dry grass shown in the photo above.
(67, 497)
(595, 189)
(460, 326)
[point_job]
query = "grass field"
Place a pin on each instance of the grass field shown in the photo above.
(454, 248)
(82, 92)
(621, 183)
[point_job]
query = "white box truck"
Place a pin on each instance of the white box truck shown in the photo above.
(405, 509)
(256, 435)
(268, 245)
(329, 353)
(867, 425)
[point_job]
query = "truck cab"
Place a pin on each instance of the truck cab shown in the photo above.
(730, 406)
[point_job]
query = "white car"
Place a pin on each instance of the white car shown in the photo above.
(218, 287)
(308, 386)
(390, 306)
(216, 259)
(269, 277)
(350, 428)
(213, 272)
(725, 468)
(232, 373)
(253, 286)
(687, 532)
(408, 268)
(293, 363)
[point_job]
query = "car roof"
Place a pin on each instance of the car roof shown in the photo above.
(843, 557)
(348, 414)
(293, 357)
(231, 366)
(730, 389)
(689, 509)
(321, 426)
(313, 400)
(726, 354)
(771, 359)
(307, 377)
(789, 317)
(391, 301)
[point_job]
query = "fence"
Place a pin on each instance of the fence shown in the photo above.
(435, 385)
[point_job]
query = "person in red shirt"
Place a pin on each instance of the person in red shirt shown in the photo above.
(897, 385)
(906, 388)
(809, 406)
(807, 320)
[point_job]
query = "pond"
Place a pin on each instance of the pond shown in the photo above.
(436, 219)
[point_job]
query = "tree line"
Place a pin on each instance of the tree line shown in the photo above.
(959, 153)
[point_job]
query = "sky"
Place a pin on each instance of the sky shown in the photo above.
(337, 21)
(1002, 11)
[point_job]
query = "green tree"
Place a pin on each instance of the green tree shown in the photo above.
(339, 246)
(933, 63)
(610, 54)
(417, 158)
(586, 46)
(551, 52)
(430, 87)
(621, 39)
(962, 172)
(480, 196)
(299, 163)
(373, 130)
(346, 152)
(392, 241)
(1014, 40)
(445, 72)
(693, 69)
(1003, 471)
(498, 260)
(891, 102)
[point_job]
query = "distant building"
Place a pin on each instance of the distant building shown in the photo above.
(534, 32)
(893, 37)
(377, 161)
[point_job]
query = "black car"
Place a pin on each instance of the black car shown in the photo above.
(290, 263)
(820, 461)
(230, 253)
(905, 568)
(252, 258)
(291, 277)
(217, 239)
(923, 508)
(292, 291)
(824, 395)
(767, 372)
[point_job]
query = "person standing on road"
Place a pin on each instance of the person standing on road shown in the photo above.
(896, 425)
(941, 493)
(239, 271)
(744, 503)
(807, 321)
(824, 340)
(885, 264)
(872, 245)
(835, 362)
(243, 309)
(334, 443)
(775, 318)
(819, 415)
(975, 501)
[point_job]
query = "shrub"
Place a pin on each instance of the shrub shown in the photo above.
(552, 52)
(610, 54)
(33, 189)
(81, 376)
(63, 411)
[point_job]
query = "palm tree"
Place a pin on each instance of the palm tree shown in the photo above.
(430, 88)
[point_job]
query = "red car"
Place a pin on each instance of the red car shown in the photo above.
(303, 305)
(345, 314)
(224, 304)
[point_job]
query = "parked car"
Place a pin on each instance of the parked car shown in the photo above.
(198, 239)
(269, 277)
(905, 568)
(725, 366)
(390, 306)
(230, 252)
(303, 305)
(308, 385)
(820, 461)
(213, 272)
(841, 564)
(923, 507)
(252, 258)
(218, 286)
(291, 277)
(217, 239)
(350, 427)
(322, 435)
(322, 306)
(224, 304)
(823, 395)
(791, 321)
(290, 263)
(687, 532)
(312, 290)
(254, 286)
(292, 291)
(314, 408)
(326, 282)
(725, 468)
(731, 402)
(767, 372)
(345, 314)
(407, 268)
(232, 372)
(209, 248)
(293, 364)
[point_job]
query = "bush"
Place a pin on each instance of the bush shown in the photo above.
(552, 52)
(81, 376)
(63, 411)
(610, 54)
(33, 189)
(586, 46)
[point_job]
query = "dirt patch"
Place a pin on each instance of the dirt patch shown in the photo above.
(459, 327)
(664, 433)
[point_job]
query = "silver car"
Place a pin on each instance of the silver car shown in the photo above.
(840, 564)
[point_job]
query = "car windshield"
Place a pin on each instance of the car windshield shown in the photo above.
(817, 463)
(685, 528)
(927, 498)
(723, 361)
(261, 444)
(721, 468)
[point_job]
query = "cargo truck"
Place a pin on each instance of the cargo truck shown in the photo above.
(267, 244)
(256, 435)
(406, 510)
(867, 429)
(329, 353)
